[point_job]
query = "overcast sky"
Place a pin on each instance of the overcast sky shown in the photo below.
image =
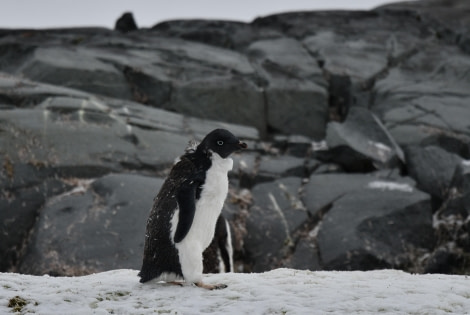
(70, 13)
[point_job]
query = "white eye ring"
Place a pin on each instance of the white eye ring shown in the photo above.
(220, 142)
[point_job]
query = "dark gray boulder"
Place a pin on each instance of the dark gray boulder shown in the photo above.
(57, 65)
(323, 190)
(125, 135)
(226, 34)
(19, 211)
(449, 18)
(245, 169)
(95, 227)
(275, 215)
(125, 23)
(451, 222)
(253, 169)
(164, 72)
(365, 58)
(42, 135)
(376, 228)
(406, 98)
(365, 134)
(281, 166)
(305, 256)
(224, 97)
(351, 229)
(295, 88)
(457, 145)
(295, 145)
(433, 169)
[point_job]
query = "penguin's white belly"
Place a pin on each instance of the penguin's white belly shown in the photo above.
(210, 202)
(208, 208)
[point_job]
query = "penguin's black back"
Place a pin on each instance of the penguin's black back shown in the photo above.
(160, 253)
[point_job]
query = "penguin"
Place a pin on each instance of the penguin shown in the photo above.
(183, 218)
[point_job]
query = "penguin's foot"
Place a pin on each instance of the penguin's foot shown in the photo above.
(211, 286)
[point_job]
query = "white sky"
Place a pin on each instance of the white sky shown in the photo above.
(71, 13)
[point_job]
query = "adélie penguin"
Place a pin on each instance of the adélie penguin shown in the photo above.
(182, 221)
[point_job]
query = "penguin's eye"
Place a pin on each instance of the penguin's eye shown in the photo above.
(220, 142)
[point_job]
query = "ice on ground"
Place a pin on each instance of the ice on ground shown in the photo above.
(383, 185)
(281, 291)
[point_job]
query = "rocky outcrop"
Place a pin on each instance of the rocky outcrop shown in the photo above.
(357, 126)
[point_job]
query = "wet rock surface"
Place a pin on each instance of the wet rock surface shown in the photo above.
(357, 126)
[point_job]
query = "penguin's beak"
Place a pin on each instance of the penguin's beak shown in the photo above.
(242, 145)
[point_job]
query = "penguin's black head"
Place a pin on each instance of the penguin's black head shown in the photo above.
(222, 142)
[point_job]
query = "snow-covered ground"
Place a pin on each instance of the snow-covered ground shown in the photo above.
(281, 291)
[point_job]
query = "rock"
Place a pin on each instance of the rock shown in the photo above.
(126, 23)
(57, 65)
(305, 256)
(225, 34)
(346, 159)
(253, 169)
(41, 135)
(284, 166)
(451, 222)
(363, 61)
(457, 145)
(340, 93)
(449, 18)
(442, 261)
(162, 72)
(245, 169)
(275, 215)
(442, 163)
(376, 228)
(302, 24)
(295, 145)
(293, 77)
(20, 208)
(327, 35)
(126, 135)
(24, 93)
(149, 85)
(354, 230)
(365, 134)
(99, 228)
(222, 98)
(323, 190)
(425, 113)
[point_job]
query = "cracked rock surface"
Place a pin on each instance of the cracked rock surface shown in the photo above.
(357, 125)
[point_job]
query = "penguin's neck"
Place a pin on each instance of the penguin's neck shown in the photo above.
(223, 165)
(207, 158)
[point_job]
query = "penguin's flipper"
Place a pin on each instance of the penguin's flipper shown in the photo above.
(186, 198)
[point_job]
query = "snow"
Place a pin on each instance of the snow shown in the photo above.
(383, 151)
(319, 145)
(280, 291)
(384, 185)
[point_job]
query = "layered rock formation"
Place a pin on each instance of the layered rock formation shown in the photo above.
(357, 124)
